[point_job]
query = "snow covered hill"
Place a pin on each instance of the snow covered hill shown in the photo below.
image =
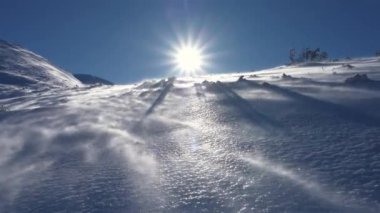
(22, 70)
(290, 139)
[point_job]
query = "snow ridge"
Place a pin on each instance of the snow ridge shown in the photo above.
(21, 68)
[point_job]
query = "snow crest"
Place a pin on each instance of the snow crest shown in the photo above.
(23, 69)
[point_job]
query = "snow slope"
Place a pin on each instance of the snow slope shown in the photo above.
(307, 141)
(22, 70)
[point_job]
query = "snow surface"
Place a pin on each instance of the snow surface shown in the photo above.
(306, 141)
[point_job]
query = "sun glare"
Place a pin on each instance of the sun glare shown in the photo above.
(189, 59)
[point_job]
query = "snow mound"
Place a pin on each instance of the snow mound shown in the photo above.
(21, 68)
(358, 79)
(286, 77)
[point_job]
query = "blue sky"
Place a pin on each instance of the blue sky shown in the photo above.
(127, 41)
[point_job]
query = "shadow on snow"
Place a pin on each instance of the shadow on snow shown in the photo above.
(337, 109)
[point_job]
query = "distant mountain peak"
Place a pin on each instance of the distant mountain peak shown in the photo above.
(90, 79)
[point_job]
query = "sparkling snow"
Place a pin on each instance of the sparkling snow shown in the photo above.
(301, 142)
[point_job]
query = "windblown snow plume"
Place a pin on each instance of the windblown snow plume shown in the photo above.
(21, 69)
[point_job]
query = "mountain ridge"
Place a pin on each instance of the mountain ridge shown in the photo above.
(22, 70)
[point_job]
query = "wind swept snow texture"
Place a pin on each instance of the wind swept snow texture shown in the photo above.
(22, 70)
(306, 141)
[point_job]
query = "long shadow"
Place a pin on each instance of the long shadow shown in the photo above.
(368, 84)
(167, 86)
(246, 109)
(199, 91)
(317, 83)
(340, 110)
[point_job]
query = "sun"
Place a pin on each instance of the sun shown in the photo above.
(189, 59)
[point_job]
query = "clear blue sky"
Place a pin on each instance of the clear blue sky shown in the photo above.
(126, 41)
